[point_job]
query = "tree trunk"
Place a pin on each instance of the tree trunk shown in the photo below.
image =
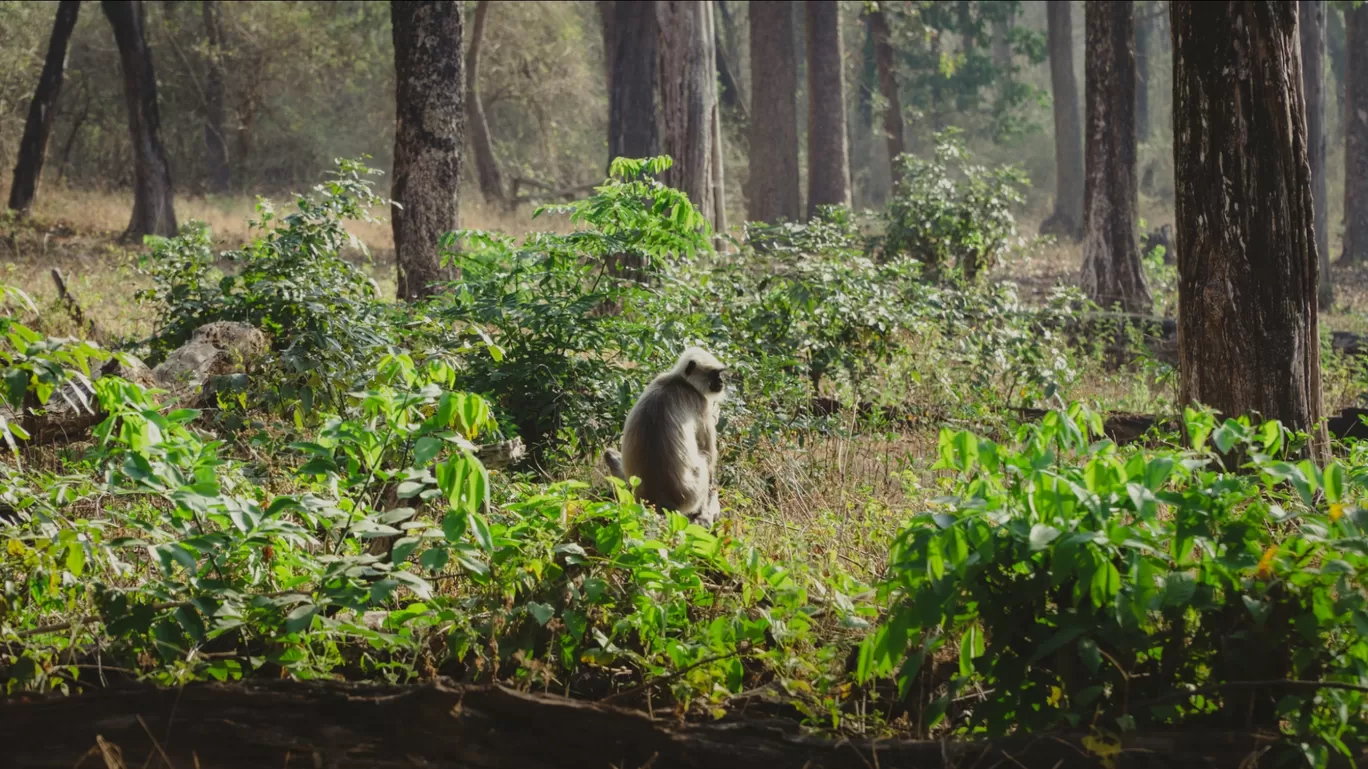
(1334, 51)
(1312, 24)
(632, 128)
(884, 58)
(1112, 272)
(153, 211)
(430, 127)
(773, 189)
(688, 96)
(730, 94)
(446, 725)
(719, 181)
(1248, 341)
(1144, 26)
(215, 142)
(828, 163)
(1002, 39)
(1067, 219)
(1356, 135)
(608, 24)
(491, 181)
(38, 127)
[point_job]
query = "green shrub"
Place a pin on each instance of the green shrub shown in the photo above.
(1083, 585)
(952, 214)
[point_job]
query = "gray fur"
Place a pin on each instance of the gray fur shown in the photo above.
(670, 438)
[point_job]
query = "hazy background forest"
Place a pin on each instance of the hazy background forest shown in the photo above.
(294, 470)
(308, 82)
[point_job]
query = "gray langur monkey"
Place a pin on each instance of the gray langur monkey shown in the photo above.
(670, 438)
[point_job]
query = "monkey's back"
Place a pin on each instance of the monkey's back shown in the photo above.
(661, 448)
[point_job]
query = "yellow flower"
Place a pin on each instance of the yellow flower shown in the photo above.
(1266, 562)
(16, 548)
(1336, 510)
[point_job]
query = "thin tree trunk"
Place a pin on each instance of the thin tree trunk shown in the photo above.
(1335, 34)
(1112, 273)
(773, 189)
(888, 88)
(1312, 24)
(487, 167)
(430, 127)
(1144, 26)
(719, 181)
(730, 94)
(215, 142)
(153, 209)
(1248, 341)
(1067, 219)
(633, 130)
(828, 159)
(38, 127)
(687, 98)
(1002, 39)
(1356, 135)
(608, 24)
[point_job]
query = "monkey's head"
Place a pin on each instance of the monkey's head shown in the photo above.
(702, 371)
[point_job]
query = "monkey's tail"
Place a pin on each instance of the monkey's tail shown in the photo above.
(613, 461)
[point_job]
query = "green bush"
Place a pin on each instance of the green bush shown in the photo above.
(1083, 585)
(952, 214)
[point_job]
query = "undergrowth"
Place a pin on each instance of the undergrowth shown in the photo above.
(331, 516)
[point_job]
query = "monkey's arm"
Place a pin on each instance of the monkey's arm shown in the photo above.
(707, 442)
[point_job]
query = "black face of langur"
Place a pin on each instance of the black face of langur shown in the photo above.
(713, 379)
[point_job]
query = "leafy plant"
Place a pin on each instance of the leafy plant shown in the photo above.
(950, 213)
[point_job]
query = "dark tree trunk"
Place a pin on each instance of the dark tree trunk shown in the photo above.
(828, 159)
(773, 189)
(1311, 20)
(1248, 341)
(491, 181)
(1112, 273)
(688, 95)
(153, 212)
(884, 58)
(1144, 27)
(632, 128)
(42, 109)
(430, 128)
(215, 142)
(1356, 135)
(1067, 219)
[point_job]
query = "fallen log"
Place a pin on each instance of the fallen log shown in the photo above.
(444, 725)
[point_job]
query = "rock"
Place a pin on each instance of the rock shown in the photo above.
(215, 349)
(131, 370)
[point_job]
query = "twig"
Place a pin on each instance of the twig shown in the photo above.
(671, 676)
(1276, 683)
(73, 307)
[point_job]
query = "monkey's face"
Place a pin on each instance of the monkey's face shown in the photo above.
(715, 381)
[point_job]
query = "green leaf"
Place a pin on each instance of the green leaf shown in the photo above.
(1042, 535)
(1335, 480)
(541, 612)
(454, 525)
(300, 618)
(1258, 609)
(481, 529)
(425, 450)
(435, 559)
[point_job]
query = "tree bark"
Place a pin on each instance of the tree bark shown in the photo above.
(1356, 134)
(688, 96)
(1067, 218)
(884, 58)
(773, 189)
(633, 131)
(430, 127)
(215, 142)
(1248, 341)
(153, 209)
(1144, 26)
(828, 160)
(491, 181)
(1311, 21)
(1112, 273)
(42, 109)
